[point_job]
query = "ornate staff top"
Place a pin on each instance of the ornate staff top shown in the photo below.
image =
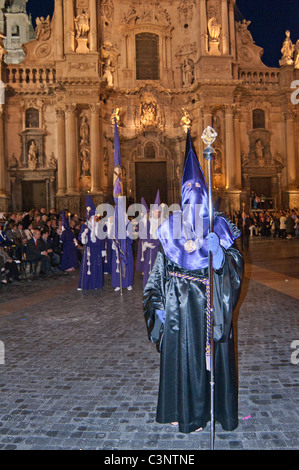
(209, 135)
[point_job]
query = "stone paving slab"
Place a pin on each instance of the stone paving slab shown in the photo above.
(79, 372)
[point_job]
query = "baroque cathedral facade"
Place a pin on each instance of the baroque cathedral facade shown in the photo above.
(158, 68)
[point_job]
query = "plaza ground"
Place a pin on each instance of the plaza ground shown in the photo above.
(79, 372)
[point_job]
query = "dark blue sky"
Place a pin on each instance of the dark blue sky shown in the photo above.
(269, 20)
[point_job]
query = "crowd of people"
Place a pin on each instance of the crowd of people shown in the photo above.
(283, 224)
(31, 244)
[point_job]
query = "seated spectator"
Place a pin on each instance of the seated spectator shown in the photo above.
(9, 265)
(46, 246)
(34, 252)
(28, 219)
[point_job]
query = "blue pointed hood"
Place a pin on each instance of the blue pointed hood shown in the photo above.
(90, 207)
(189, 227)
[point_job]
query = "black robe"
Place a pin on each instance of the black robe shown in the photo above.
(184, 390)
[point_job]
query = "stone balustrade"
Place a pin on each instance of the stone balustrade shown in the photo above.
(260, 78)
(23, 75)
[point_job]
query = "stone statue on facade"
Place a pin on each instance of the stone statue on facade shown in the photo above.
(84, 131)
(259, 152)
(32, 155)
(188, 72)
(43, 28)
(82, 25)
(108, 71)
(287, 50)
(214, 29)
(85, 163)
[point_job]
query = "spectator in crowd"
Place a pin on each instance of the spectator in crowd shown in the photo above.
(290, 226)
(282, 225)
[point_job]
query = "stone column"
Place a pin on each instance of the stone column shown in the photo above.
(59, 29)
(224, 31)
(71, 149)
(69, 31)
(237, 157)
(229, 148)
(203, 26)
(96, 154)
(61, 155)
(290, 148)
(3, 175)
(93, 26)
(232, 33)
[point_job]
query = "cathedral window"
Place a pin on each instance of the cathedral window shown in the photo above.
(147, 56)
(258, 119)
(32, 118)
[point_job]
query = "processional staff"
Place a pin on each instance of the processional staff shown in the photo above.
(208, 136)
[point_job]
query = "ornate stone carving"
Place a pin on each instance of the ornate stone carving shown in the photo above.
(147, 12)
(149, 110)
(245, 34)
(43, 28)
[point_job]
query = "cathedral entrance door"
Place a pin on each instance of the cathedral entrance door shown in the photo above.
(151, 176)
(34, 194)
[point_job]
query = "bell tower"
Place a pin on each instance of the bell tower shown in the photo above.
(217, 38)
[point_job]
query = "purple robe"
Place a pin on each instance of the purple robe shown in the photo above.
(127, 276)
(69, 257)
(141, 251)
(91, 270)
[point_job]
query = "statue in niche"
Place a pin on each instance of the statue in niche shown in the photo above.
(259, 152)
(214, 29)
(82, 25)
(32, 155)
(85, 163)
(188, 72)
(287, 50)
(43, 28)
(84, 131)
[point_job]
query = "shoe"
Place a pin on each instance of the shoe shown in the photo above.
(129, 288)
(116, 289)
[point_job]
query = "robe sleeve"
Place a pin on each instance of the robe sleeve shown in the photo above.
(154, 301)
(227, 288)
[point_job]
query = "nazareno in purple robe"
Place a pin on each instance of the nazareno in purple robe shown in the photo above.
(127, 277)
(69, 257)
(91, 270)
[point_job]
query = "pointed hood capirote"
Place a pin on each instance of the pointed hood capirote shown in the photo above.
(90, 207)
(183, 234)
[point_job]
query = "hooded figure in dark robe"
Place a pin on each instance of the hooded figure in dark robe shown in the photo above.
(175, 304)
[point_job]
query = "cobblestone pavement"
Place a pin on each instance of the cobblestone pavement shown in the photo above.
(79, 372)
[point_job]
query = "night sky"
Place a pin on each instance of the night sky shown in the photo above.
(269, 21)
